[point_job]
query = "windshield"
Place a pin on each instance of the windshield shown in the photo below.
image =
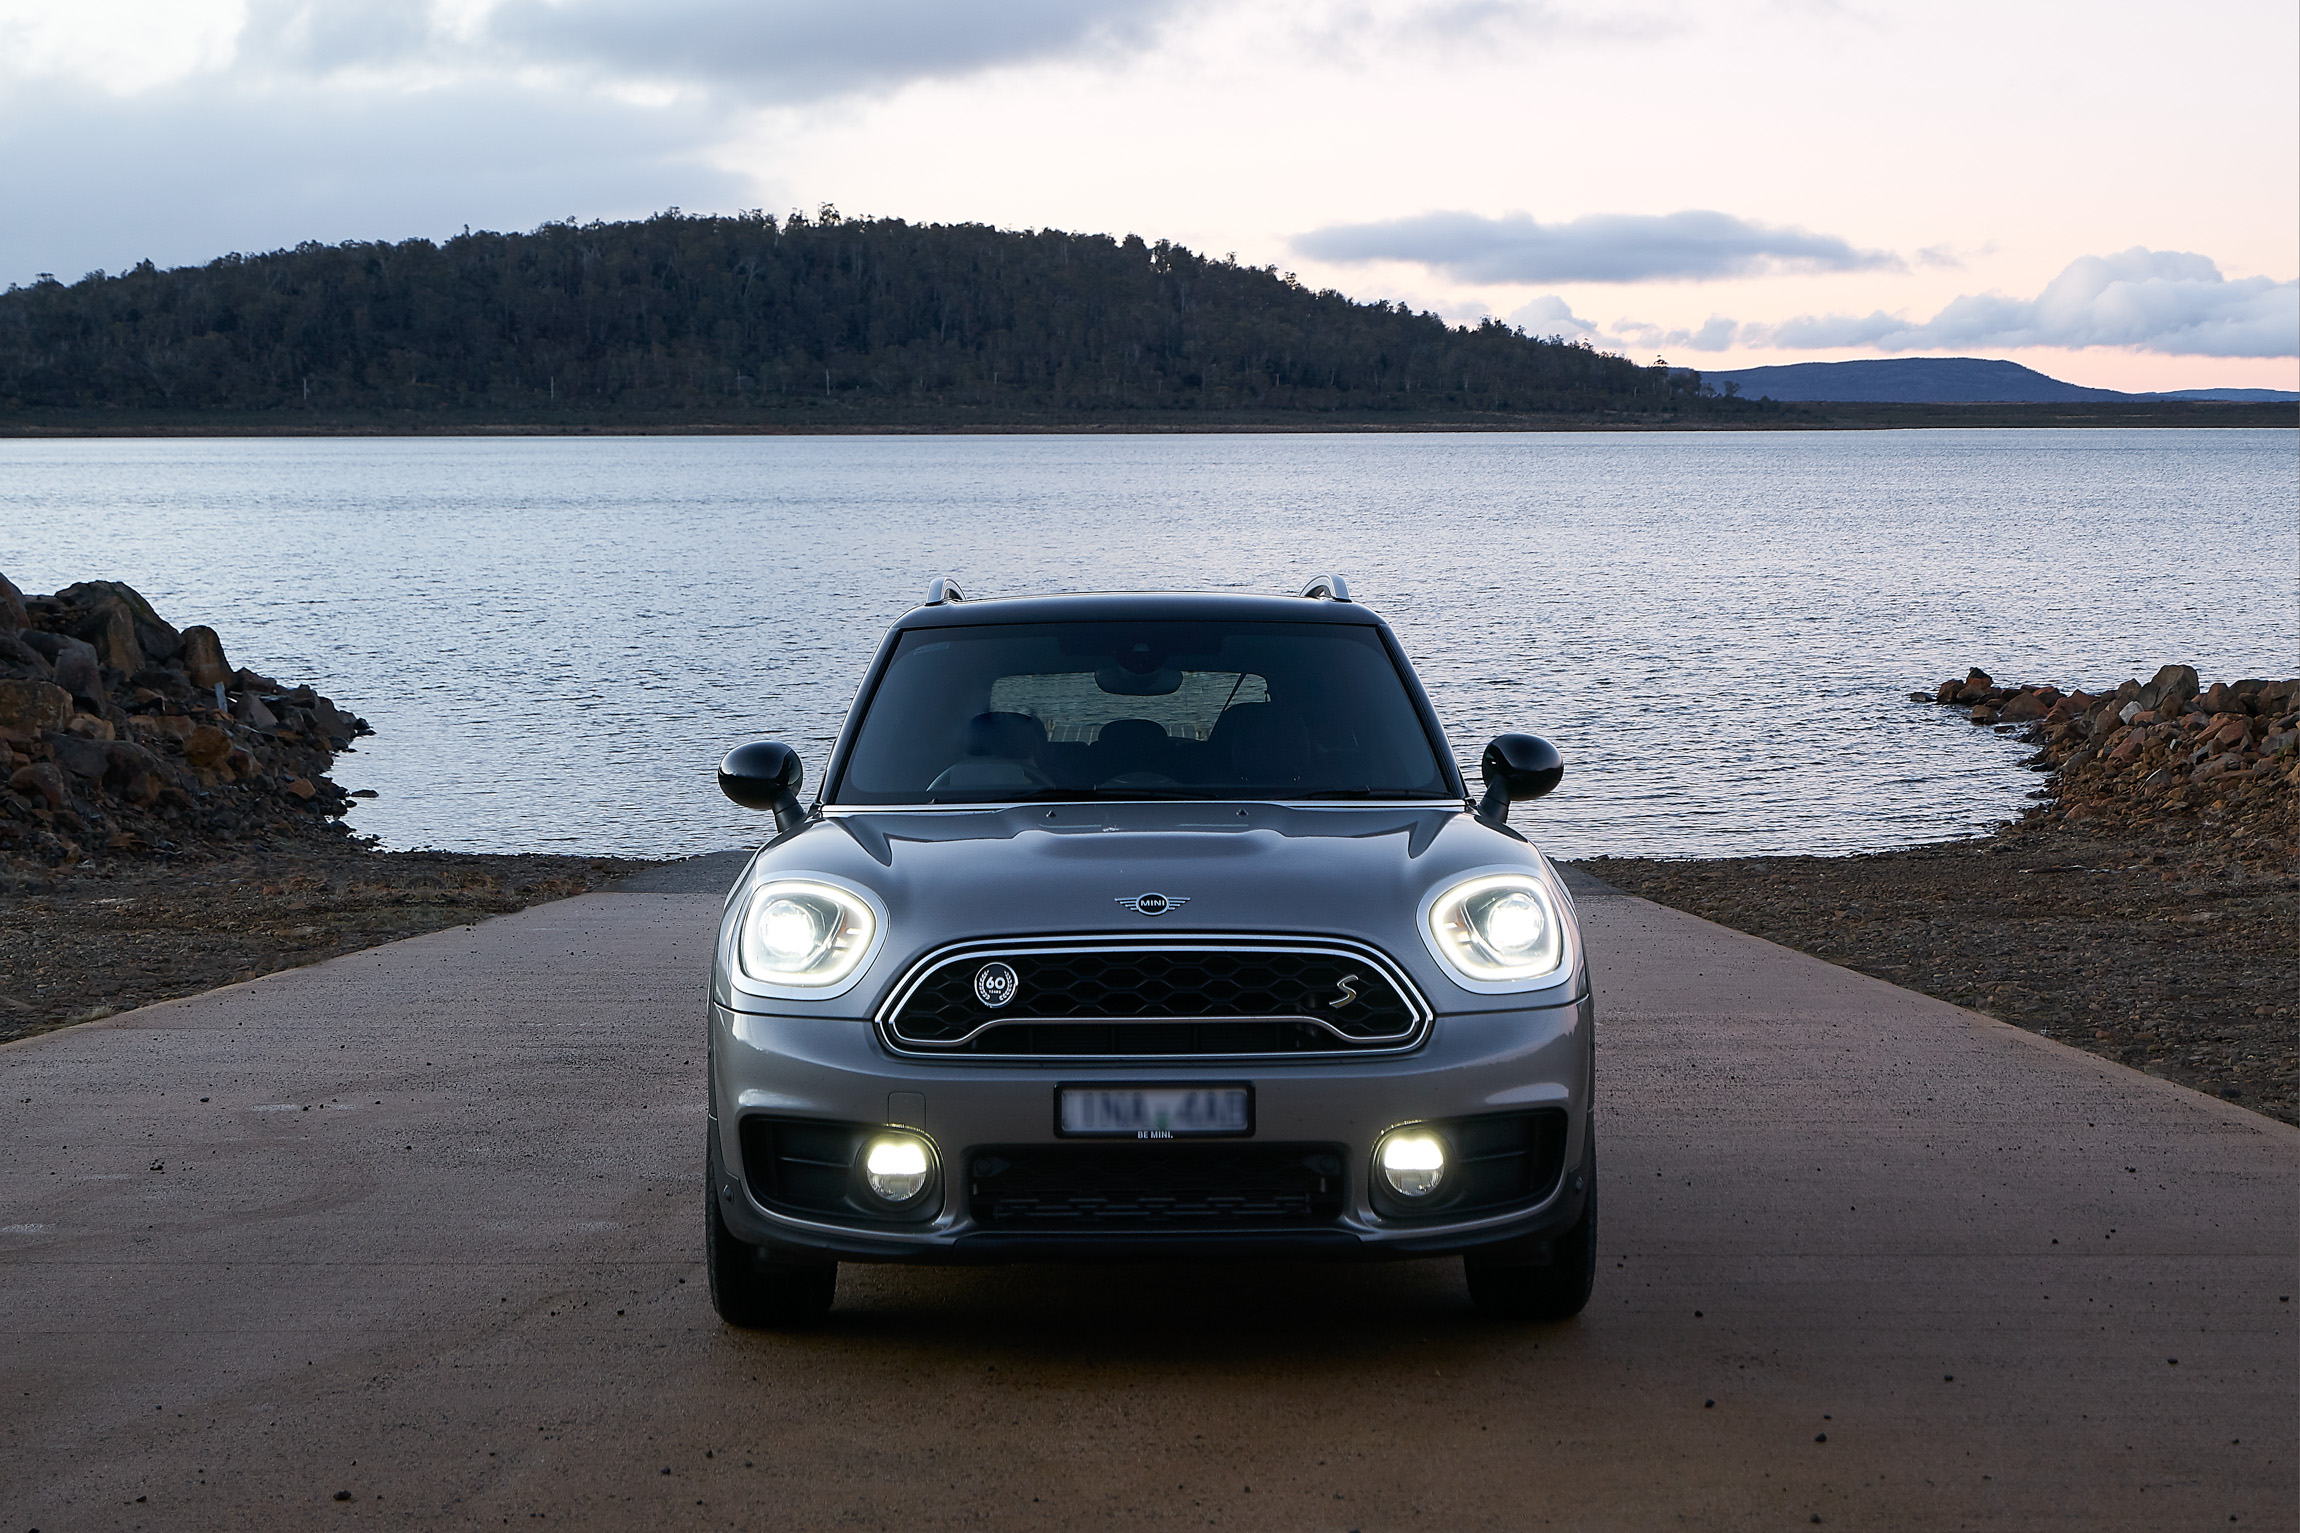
(994, 714)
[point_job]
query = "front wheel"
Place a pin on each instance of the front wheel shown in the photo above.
(1554, 1290)
(750, 1291)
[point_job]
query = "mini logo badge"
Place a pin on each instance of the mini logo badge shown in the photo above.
(1153, 904)
(995, 984)
(1349, 989)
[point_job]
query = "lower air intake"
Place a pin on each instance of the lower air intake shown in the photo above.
(1152, 1188)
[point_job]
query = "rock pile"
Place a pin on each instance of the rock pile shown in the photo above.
(120, 735)
(2147, 750)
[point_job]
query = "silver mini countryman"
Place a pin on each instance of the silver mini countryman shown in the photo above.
(1147, 926)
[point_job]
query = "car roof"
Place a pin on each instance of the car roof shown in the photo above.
(1138, 606)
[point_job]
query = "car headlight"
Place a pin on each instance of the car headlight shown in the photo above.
(1497, 929)
(803, 933)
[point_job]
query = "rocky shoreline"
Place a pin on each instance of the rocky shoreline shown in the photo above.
(2144, 751)
(124, 735)
(2143, 911)
(167, 824)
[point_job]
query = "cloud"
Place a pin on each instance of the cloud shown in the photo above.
(1717, 333)
(1445, 25)
(806, 49)
(323, 37)
(1551, 315)
(182, 174)
(2166, 301)
(1600, 247)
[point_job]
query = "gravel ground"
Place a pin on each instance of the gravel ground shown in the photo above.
(2167, 947)
(85, 941)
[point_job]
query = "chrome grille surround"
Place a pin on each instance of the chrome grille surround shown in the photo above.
(1318, 1037)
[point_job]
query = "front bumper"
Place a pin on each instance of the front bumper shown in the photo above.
(835, 1071)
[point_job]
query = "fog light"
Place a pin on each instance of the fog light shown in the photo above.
(895, 1168)
(1412, 1163)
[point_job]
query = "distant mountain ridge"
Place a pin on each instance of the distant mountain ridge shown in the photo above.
(1939, 380)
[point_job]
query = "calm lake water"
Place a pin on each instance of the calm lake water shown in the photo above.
(556, 639)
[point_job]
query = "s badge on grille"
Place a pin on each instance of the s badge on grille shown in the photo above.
(1153, 904)
(995, 984)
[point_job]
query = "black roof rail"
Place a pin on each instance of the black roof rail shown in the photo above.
(1327, 588)
(943, 590)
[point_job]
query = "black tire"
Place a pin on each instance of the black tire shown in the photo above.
(749, 1290)
(1557, 1289)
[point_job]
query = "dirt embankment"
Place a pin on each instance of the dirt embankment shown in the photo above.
(2146, 910)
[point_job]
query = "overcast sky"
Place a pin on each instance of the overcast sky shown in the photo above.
(2109, 192)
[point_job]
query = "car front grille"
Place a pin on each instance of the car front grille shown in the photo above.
(1156, 1188)
(1156, 998)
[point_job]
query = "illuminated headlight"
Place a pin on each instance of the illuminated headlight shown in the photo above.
(896, 1168)
(1412, 1161)
(802, 933)
(1498, 929)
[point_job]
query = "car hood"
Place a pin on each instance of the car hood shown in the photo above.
(949, 876)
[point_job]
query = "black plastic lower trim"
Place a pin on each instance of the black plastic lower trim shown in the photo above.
(995, 1247)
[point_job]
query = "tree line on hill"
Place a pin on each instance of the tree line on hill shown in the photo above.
(758, 318)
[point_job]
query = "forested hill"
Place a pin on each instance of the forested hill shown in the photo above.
(799, 321)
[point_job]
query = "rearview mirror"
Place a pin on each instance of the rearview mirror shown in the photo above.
(766, 774)
(1516, 768)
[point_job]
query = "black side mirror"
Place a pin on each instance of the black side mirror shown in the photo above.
(1516, 768)
(765, 774)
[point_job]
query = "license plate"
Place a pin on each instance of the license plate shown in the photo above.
(1154, 1112)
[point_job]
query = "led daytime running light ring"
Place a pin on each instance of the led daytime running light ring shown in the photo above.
(806, 937)
(1498, 931)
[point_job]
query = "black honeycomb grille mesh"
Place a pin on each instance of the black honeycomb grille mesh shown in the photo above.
(1149, 1001)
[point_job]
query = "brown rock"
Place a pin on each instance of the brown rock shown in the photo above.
(2024, 707)
(206, 745)
(1984, 714)
(301, 787)
(1947, 691)
(13, 617)
(41, 780)
(133, 772)
(89, 726)
(204, 657)
(111, 628)
(28, 708)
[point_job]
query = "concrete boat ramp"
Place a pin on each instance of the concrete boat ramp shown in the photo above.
(410, 1239)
